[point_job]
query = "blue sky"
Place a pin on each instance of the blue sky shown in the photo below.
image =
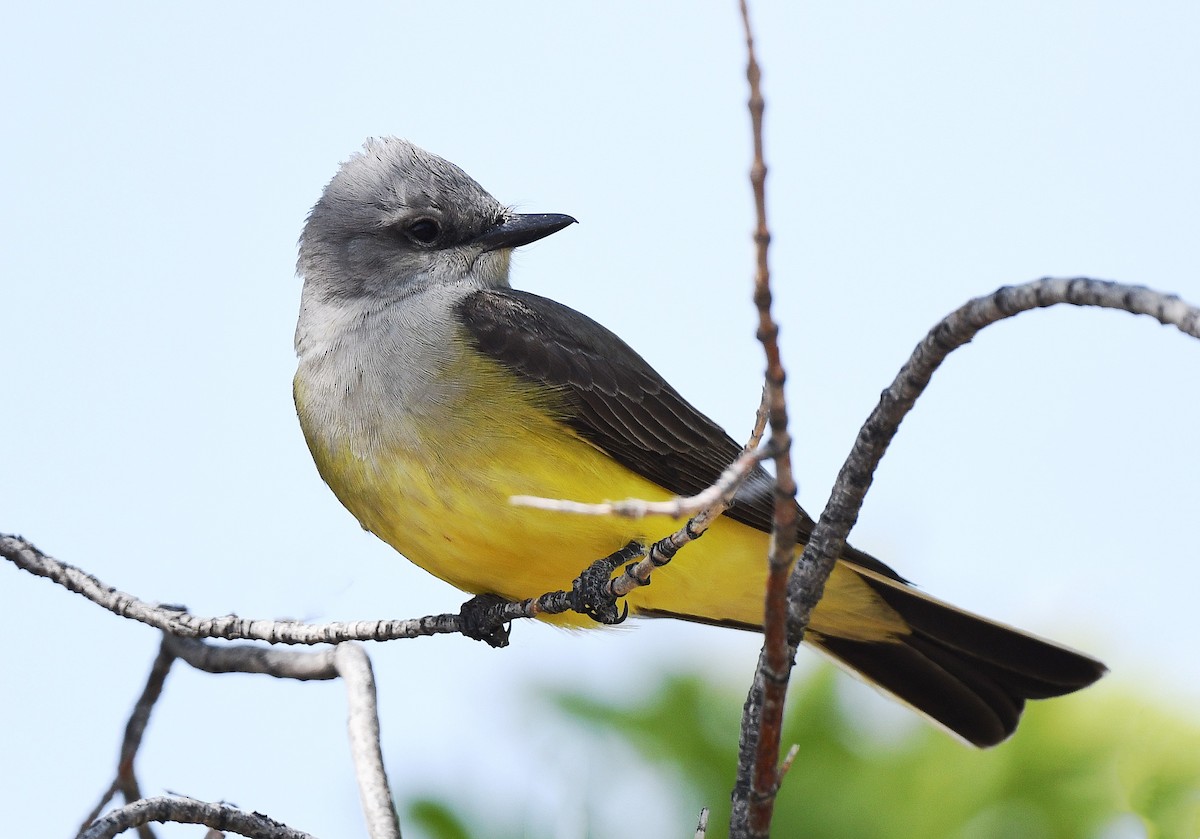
(158, 162)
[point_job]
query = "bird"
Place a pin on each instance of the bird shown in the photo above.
(430, 392)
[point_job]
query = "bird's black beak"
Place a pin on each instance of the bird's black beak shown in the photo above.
(517, 230)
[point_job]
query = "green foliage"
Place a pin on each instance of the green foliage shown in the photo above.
(1076, 766)
(439, 819)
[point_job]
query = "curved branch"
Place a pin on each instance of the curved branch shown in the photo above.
(841, 511)
(172, 808)
(301, 665)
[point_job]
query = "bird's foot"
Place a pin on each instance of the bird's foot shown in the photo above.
(591, 593)
(481, 620)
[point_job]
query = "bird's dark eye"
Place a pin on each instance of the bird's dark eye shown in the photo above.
(424, 230)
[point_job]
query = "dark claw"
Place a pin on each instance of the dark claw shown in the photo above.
(605, 613)
(589, 592)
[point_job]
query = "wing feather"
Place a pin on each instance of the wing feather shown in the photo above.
(611, 396)
(614, 399)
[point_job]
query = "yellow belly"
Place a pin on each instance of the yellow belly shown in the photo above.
(445, 506)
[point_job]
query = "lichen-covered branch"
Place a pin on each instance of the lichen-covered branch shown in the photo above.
(176, 620)
(176, 808)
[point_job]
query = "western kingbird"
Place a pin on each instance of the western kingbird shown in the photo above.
(430, 392)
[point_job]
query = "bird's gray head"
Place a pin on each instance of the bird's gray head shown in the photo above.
(396, 219)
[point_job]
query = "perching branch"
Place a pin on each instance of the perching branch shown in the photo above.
(176, 621)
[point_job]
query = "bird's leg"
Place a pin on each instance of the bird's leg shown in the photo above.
(487, 617)
(591, 593)
(659, 554)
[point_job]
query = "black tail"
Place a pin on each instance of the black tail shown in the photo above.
(968, 673)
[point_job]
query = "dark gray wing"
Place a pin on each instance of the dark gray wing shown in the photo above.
(615, 400)
(610, 395)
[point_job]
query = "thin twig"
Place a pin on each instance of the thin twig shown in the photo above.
(126, 781)
(135, 730)
(707, 500)
(788, 760)
(639, 508)
(758, 753)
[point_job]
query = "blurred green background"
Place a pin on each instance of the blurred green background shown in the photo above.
(1100, 764)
